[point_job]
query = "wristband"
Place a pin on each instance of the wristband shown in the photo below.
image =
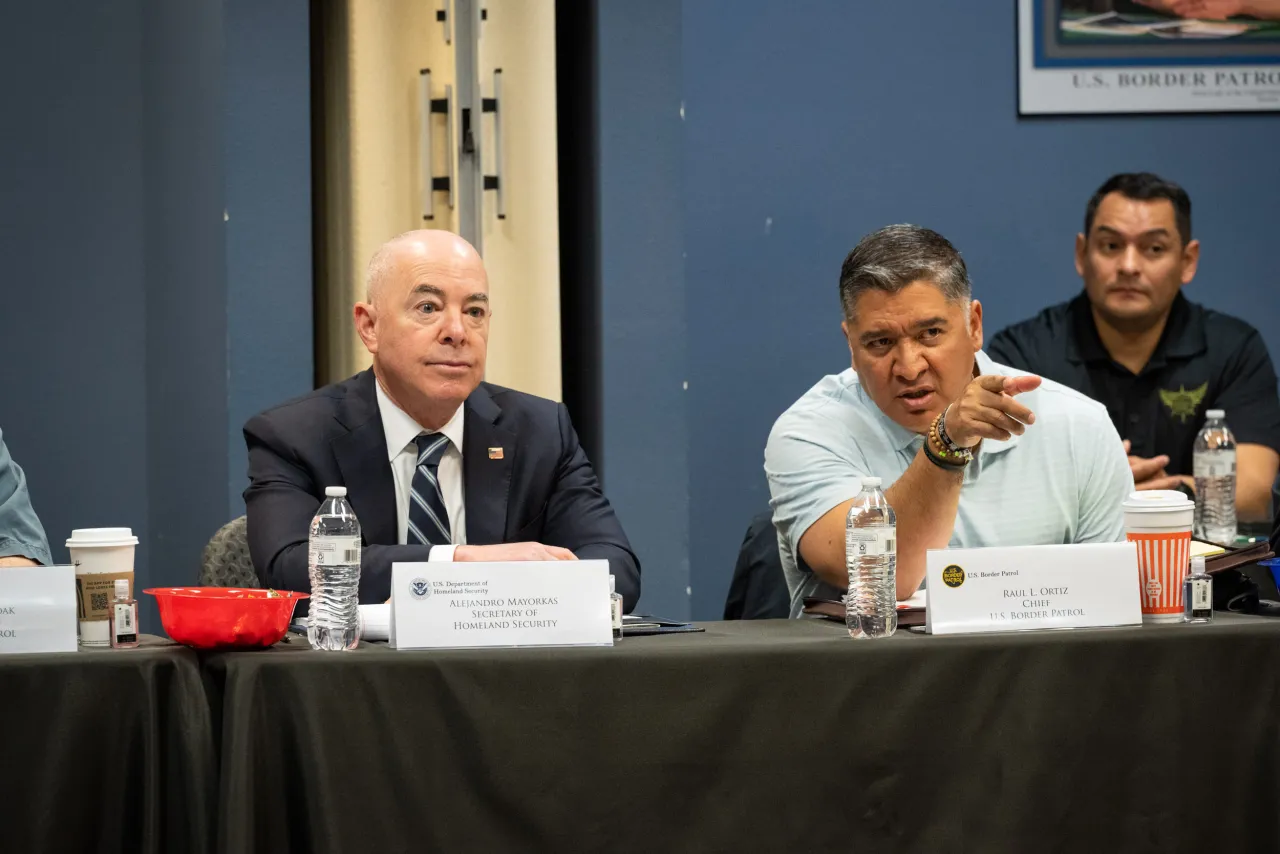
(946, 450)
(942, 432)
(940, 462)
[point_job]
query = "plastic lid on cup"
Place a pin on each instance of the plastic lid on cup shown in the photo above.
(90, 538)
(871, 483)
(1156, 501)
(335, 492)
(1215, 413)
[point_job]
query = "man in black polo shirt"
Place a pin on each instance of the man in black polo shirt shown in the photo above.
(1155, 359)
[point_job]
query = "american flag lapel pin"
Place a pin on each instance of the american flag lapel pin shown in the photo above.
(495, 453)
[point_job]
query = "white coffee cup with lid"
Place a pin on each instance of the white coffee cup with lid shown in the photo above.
(1158, 522)
(1158, 510)
(100, 555)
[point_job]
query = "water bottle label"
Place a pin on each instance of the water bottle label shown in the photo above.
(335, 551)
(1201, 600)
(871, 542)
(1217, 464)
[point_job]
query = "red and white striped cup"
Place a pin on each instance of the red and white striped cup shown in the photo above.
(1158, 521)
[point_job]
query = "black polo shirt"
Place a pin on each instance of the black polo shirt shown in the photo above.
(1205, 360)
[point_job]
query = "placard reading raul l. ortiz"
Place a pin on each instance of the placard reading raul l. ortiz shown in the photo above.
(1032, 587)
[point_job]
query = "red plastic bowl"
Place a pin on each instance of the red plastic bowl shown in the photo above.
(225, 617)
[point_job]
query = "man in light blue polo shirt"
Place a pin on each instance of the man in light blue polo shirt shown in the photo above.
(971, 453)
(22, 540)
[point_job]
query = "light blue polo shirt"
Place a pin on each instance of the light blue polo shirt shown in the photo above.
(1062, 481)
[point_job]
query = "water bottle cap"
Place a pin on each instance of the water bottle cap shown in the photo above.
(1197, 565)
(335, 491)
(871, 483)
(122, 588)
(613, 584)
(1216, 413)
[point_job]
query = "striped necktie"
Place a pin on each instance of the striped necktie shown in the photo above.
(428, 519)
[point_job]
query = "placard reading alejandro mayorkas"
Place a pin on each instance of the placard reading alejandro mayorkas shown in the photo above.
(543, 603)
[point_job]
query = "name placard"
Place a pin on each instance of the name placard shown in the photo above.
(535, 603)
(1032, 587)
(38, 609)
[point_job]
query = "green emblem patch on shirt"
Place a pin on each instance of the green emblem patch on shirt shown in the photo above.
(1183, 402)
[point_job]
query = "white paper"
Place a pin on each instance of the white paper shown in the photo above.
(1032, 587)
(38, 609)
(533, 603)
(375, 622)
(919, 599)
(1199, 549)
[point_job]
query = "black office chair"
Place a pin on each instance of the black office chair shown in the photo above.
(759, 589)
(226, 561)
(1275, 530)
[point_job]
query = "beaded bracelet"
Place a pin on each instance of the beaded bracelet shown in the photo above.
(942, 433)
(932, 456)
(947, 453)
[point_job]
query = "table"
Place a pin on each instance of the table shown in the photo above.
(761, 736)
(106, 751)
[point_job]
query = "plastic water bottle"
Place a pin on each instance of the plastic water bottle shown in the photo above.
(871, 556)
(1214, 464)
(334, 561)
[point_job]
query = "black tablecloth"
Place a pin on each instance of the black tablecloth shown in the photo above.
(761, 736)
(105, 751)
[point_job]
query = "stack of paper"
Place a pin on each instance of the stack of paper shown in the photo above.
(1199, 549)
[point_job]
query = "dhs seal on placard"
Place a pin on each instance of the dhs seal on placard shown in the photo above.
(953, 576)
(420, 588)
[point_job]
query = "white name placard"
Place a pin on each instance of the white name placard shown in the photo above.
(38, 609)
(534, 603)
(1032, 587)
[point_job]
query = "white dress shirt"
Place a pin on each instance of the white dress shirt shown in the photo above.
(402, 453)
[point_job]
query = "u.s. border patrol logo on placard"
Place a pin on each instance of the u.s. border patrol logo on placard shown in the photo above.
(953, 576)
(1183, 403)
(420, 588)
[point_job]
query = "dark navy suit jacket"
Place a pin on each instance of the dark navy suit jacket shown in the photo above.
(543, 489)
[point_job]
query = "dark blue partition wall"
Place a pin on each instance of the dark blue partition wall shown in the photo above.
(142, 322)
(806, 125)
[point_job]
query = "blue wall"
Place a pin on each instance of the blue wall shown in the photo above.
(73, 348)
(644, 326)
(138, 326)
(809, 124)
(185, 319)
(268, 208)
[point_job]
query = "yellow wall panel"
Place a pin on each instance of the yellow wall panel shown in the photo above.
(373, 52)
